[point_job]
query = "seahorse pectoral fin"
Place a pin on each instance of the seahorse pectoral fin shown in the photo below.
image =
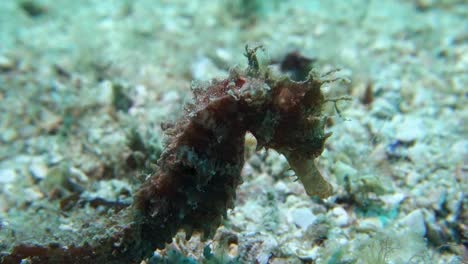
(310, 177)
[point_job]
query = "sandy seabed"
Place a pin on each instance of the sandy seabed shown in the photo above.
(77, 76)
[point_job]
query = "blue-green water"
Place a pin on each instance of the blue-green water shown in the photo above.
(90, 90)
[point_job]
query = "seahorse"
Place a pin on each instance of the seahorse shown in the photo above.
(200, 169)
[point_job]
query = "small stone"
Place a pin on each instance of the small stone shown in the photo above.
(76, 180)
(277, 163)
(6, 64)
(233, 250)
(383, 109)
(370, 225)
(9, 135)
(419, 153)
(204, 69)
(459, 150)
(302, 217)
(28, 131)
(54, 158)
(252, 210)
(340, 216)
(392, 200)
(307, 254)
(67, 227)
(343, 170)
(7, 175)
(223, 55)
(32, 194)
(413, 178)
(105, 94)
(38, 170)
(378, 155)
(409, 129)
(78, 174)
(414, 221)
(141, 94)
(110, 190)
(281, 187)
(170, 97)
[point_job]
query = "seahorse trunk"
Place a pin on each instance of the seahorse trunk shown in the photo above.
(200, 169)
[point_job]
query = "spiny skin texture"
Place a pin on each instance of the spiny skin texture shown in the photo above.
(200, 168)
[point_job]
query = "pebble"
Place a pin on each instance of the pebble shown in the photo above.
(7, 175)
(38, 170)
(8, 135)
(110, 190)
(369, 225)
(50, 121)
(409, 129)
(383, 109)
(392, 200)
(76, 180)
(105, 94)
(378, 154)
(459, 150)
(78, 174)
(6, 64)
(414, 221)
(281, 187)
(28, 131)
(204, 69)
(340, 216)
(223, 55)
(277, 164)
(67, 227)
(413, 178)
(307, 254)
(170, 97)
(252, 210)
(32, 194)
(419, 153)
(342, 170)
(302, 217)
(54, 158)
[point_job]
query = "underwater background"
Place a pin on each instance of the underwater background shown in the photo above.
(86, 88)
